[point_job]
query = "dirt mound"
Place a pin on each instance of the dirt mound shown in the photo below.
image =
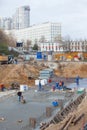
(20, 73)
(72, 70)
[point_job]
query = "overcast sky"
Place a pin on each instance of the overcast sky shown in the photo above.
(72, 14)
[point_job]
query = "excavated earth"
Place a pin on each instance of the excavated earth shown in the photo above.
(20, 73)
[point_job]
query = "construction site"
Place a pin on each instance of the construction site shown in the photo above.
(43, 74)
(38, 113)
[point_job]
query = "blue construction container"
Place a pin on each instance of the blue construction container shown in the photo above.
(45, 57)
(39, 55)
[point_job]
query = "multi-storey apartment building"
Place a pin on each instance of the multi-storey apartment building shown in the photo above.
(21, 19)
(1, 23)
(6, 23)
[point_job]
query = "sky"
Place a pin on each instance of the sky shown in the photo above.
(72, 14)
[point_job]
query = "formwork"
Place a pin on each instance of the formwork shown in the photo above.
(64, 112)
(53, 115)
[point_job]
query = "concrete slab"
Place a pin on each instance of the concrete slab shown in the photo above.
(36, 102)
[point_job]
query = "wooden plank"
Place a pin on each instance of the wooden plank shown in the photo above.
(67, 125)
(62, 127)
(61, 115)
(78, 118)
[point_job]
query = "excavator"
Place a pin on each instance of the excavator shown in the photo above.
(6, 59)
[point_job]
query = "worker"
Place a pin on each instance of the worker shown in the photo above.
(57, 84)
(2, 87)
(53, 88)
(19, 95)
(60, 84)
(77, 80)
(40, 86)
(22, 99)
(16, 61)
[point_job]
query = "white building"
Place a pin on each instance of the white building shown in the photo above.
(55, 47)
(6, 23)
(71, 46)
(21, 19)
(77, 46)
(46, 32)
(1, 23)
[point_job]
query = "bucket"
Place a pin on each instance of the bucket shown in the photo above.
(23, 88)
(80, 90)
(49, 80)
(49, 57)
(55, 103)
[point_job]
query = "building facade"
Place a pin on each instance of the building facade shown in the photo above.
(45, 32)
(76, 46)
(70, 46)
(6, 23)
(21, 18)
(54, 47)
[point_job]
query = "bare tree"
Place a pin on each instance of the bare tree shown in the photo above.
(68, 41)
(57, 38)
(36, 41)
(4, 38)
(86, 45)
(28, 44)
(42, 39)
(67, 38)
(12, 41)
(7, 39)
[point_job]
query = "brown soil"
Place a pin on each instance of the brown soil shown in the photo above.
(72, 69)
(20, 72)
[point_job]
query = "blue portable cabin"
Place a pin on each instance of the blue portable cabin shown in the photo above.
(39, 56)
(44, 56)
